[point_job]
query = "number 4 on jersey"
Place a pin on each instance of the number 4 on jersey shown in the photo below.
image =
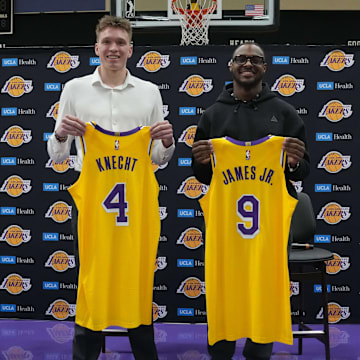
(116, 202)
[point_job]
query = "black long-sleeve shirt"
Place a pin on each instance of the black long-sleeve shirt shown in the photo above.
(265, 115)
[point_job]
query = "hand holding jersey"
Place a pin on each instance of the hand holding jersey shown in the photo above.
(295, 149)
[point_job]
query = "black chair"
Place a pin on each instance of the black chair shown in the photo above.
(308, 262)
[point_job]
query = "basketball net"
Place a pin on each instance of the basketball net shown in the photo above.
(194, 16)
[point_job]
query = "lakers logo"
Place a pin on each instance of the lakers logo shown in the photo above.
(335, 313)
(337, 264)
(332, 213)
(153, 61)
(191, 238)
(15, 186)
(63, 166)
(163, 212)
(17, 353)
(335, 111)
(192, 188)
(166, 112)
(191, 287)
(15, 284)
(188, 135)
(160, 263)
(294, 288)
(338, 337)
(53, 111)
(297, 185)
(333, 162)
(62, 62)
(16, 86)
(337, 60)
(15, 136)
(288, 85)
(196, 85)
(61, 333)
(14, 235)
(60, 261)
(60, 309)
(157, 167)
(60, 212)
(158, 311)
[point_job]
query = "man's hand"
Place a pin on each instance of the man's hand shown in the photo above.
(201, 151)
(162, 130)
(71, 125)
(295, 150)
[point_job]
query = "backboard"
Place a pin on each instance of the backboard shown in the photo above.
(247, 14)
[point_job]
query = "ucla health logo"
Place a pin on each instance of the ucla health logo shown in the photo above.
(60, 309)
(336, 313)
(16, 86)
(15, 186)
(63, 166)
(281, 60)
(158, 311)
(53, 111)
(188, 135)
(60, 261)
(62, 62)
(9, 62)
(337, 263)
(15, 284)
(337, 60)
(324, 136)
(288, 85)
(16, 136)
(9, 111)
(333, 162)
(191, 287)
(59, 211)
(332, 213)
(152, 61)
(14, 235)
(335, 110)
(192, 188)
(188, 60)
(196, 85)
(160, 263)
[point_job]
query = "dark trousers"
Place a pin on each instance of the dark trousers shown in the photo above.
(87, 343)
(225, 350)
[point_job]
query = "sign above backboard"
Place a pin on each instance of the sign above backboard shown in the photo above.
(251, 14)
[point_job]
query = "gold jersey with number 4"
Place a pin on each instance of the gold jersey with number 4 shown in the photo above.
(118, 228)
(247, 212)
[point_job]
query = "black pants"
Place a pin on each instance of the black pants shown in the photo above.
(225, 350)
(87, 343)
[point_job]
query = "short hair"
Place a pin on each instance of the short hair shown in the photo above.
(115, 22)
(250, 43)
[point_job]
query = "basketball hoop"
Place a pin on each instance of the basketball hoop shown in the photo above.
(194, 18)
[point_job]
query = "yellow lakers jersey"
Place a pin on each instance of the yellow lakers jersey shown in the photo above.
(247, 212)
(118, 227)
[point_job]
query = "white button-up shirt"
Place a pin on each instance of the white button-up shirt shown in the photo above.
(134, 103)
